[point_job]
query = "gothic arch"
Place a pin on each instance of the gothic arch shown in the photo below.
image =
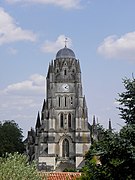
(65, 148)
(65, 72)
(59, 101)
(69, 145)
(65, 101)
(61, 120)
(64, 64)
(69, 120)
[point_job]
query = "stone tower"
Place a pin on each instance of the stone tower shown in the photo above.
(62, 134)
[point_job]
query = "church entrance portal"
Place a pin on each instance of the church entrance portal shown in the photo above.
(65, 148)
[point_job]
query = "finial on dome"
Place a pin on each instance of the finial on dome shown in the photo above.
(66, 40)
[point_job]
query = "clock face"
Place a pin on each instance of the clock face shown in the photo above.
(65, 87)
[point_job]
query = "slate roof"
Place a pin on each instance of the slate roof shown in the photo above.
(65, 53)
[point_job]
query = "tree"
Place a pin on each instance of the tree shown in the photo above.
(128, 133)
(16, 167)
(127, 101)
(113, 156)
(10, 138)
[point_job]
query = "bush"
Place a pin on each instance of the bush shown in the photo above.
(16, 167)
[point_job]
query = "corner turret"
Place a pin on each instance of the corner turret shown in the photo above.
(38, 123)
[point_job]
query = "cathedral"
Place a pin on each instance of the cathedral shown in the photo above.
(62, 133)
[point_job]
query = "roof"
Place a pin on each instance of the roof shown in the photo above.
(65, 53)
(60, 175)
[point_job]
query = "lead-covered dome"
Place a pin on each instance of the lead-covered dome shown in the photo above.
(65, 53)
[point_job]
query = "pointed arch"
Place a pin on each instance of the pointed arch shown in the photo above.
(65, 72)
(59, 101)
(65, 101)
(65, 148)
(69, 120)
(61, 120)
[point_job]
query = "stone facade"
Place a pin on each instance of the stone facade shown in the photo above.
(62, 133)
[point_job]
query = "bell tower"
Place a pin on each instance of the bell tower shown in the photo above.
(63, 137)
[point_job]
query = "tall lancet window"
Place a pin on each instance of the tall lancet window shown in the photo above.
(65, 72)
(69, 120)
(59, 101)
(65, 101)
(61, 120)
(65, 147)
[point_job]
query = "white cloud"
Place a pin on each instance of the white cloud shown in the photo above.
(22, 109)
(21, 101)
(35, 85)
(67, 4)
(54, 46)
(119, 47)
(10, 32)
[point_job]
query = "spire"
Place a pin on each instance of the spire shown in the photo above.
(94, 121)
(51, 65)
(50, 69)
(38, 124)
(84, 102)
(85, 113)
(42, 116)
(110, 125)
(43, 108)
(94, 130)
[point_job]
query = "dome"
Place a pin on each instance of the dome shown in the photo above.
(65, 53)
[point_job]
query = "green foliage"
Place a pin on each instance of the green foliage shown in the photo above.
(111, 158)
(10, 138)
(16, 167)
(127, 101)
(128, 133)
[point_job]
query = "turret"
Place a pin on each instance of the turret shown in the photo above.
(110, 125)
(50, 71)
(43, 110)
(94, 121)
(94, 130)
(44, 104)
(38, 123)
(85, 108)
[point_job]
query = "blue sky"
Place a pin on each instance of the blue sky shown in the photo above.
(100, 32)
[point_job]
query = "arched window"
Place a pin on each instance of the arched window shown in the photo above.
(65, 101)
(65, 148)
(61, 120)
(65, 72)
(59, 101)
(69, 120)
